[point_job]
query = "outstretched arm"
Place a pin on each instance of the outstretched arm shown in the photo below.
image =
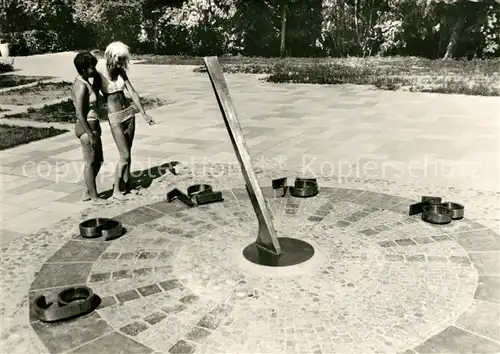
(136, 99)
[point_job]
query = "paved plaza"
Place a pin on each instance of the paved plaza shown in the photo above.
(380, 281)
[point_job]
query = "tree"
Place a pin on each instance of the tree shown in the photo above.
(490, 30)
(284, 7)
(459, 8)
(461, 11)
(204, 26)
(353, 27)
(153, 10)
(109, 20)
(13, 17)
(280, 27)
(255, 28)
(22, 15)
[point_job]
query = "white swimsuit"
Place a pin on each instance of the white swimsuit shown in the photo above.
(109, 86)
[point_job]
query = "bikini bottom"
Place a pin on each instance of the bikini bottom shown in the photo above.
(121, 116)
(94, 126)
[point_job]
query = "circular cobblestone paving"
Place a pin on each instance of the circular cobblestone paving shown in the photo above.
(177, 282)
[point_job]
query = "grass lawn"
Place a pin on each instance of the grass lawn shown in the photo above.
(149, 59)
(17, 80)
(43, 92)
(475, 77)
(64, 112)
(11, 135)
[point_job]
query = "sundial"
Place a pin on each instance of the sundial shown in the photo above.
(345, 271)
(268, 249)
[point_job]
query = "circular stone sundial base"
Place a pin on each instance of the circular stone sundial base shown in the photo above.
(375, 280)
(294, 252)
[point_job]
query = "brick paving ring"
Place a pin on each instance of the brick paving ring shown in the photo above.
(179, 264)
(71, 303)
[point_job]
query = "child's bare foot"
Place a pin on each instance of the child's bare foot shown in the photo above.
(135, 191)
(86, 196)
(119, 196)
(99, 201)
(132, 188)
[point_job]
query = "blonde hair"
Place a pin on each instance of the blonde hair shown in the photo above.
(117, 56)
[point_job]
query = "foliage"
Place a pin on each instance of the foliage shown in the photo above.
(255, 29)
(12, 17)
(36, 26)
(106, 21)
(409, 27)
(258, 26)
(349, 27)
(427, 28)
(491, 30)
(198, 27)
(6, 67)
(35, 42)
(11, 135)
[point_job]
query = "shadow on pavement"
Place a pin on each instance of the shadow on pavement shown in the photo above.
(143, 179)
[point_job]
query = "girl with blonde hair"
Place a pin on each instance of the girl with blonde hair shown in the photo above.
(121, 116)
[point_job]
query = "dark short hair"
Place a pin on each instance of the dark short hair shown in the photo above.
(83, 61)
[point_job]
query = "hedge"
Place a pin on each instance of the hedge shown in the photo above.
(33, 42)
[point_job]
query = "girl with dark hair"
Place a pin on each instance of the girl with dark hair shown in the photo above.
(87, 129)
(121, 116)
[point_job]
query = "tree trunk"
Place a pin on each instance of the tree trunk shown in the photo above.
(455, 36)
(356, 26)
(155, 39)
(443, 29)
(340, 34)
(283, 33)
(367, 43)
